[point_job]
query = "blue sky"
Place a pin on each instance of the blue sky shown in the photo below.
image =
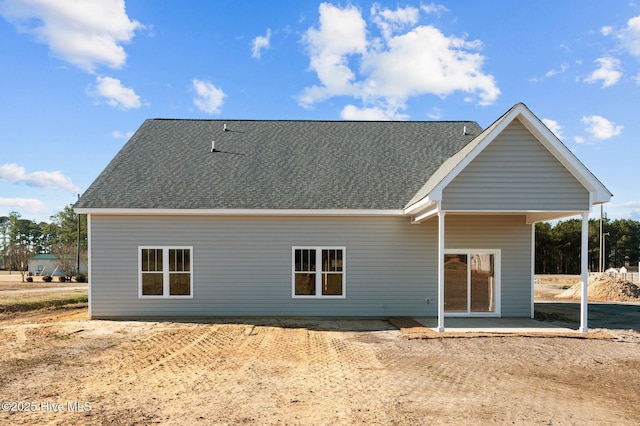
(78, 78)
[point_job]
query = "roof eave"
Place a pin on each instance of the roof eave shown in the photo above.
(239, 212)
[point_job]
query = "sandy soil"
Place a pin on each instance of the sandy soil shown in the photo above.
(60, 368)
(605, 288)
(289, 372)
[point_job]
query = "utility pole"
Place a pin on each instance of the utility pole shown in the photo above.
(78, 245)
(600, 249)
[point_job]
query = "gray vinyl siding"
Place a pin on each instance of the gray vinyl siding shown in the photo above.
(512, 236)
(242, 265)
(515, 173)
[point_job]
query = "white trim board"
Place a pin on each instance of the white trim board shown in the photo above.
(241, 212)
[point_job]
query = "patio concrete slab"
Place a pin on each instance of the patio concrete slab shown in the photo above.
(494, 325)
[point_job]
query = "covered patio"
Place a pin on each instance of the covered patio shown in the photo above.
(517, 167)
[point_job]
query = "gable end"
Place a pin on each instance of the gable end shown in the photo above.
(515, 172)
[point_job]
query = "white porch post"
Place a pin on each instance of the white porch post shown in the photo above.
(441, 271)
(89, 274)
(584, 305)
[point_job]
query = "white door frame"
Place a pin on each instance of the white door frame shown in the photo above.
(497, 254)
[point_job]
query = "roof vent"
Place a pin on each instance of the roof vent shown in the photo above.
(224, 127)
(464, 131)
(213, 146)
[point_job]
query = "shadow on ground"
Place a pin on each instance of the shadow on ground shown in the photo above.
(310, 323)
(614, 316)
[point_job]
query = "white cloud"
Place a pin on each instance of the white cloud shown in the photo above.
(395, 67)
(435, 114)
(116, 94)
(425, 61)
(117, 134)
(552, 73)
(609, 72)
(436, 9)
(28, 207)
(563, 68)
(351, 112)
(601, 128)
(630, 36)
(260, 43)
(342, 32)
(554, 126)
(634, 209)
(208, 97)
(579, 139)
(83, 33)
(605, 31)
(42, 179)
(391, 21)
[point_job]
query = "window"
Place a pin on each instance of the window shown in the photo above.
(318, 272)
(165, 272)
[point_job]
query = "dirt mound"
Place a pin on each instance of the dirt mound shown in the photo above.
(605, 288)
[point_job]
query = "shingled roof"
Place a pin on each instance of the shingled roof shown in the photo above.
(257, 164)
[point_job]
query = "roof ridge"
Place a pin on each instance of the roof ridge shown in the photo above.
(294, 120)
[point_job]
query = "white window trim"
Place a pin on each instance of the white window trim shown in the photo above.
(165, 272)
(497, 253)
(318, 272)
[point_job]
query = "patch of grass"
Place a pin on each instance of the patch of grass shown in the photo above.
(62, 336)
(46, 303)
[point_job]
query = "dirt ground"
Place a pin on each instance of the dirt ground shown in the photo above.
(60, 368)
(605, 288)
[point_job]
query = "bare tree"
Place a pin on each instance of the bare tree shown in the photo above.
(65, 258)
(20, 256)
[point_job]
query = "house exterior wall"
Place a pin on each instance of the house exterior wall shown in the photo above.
(512, 236)
(242, 266)
(515, 173)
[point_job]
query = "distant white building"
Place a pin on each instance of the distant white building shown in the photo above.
(47, 264)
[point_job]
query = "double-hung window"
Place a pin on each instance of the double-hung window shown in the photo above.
(319, 272)
(165, 272)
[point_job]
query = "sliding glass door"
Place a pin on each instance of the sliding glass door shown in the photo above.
(471, 282)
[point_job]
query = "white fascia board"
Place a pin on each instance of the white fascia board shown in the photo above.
(425, 215)
(423, 204)
(535, 217)
(532, 216)
(242, 212)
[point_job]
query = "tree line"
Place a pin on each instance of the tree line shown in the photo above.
(21, 239)
(558, 247)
